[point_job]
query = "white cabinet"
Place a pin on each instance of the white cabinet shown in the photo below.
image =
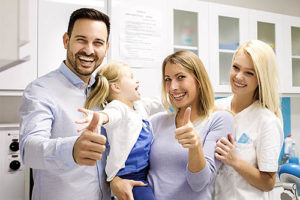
(291, 74)
(228, 28)
(18, 39)
(190, 25)
(268, 27)
(214, 32)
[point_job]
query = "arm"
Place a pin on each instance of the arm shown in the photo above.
(152, 105)
(205, 166)
(225, 152)
(38, 148)
(189, 138)
(45, 146)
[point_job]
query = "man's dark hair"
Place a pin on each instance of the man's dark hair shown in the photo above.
(88, 13)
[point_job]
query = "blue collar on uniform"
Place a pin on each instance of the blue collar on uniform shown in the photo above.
(73, 78)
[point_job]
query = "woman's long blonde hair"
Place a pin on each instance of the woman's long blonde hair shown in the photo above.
(266, 69)
(191, 63)
(100, 94)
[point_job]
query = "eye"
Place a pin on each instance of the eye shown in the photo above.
(98, 43)
(181, 77)
(167, 79)
(235, 67)
(80, 40)
(250, 73)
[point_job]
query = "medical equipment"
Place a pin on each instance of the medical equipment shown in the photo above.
(289, 175)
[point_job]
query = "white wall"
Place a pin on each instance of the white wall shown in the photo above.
(287, 7)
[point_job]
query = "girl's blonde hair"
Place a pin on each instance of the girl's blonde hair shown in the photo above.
(266, 69)
(192, 64)
(100, 94)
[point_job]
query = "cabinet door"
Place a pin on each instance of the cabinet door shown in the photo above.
(228, 28)
(291, 74)
(18, 64)
(190, 28)
(268, 27)
(53, 23)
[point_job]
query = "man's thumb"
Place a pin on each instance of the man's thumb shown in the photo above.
(94, 123)
(187, 115)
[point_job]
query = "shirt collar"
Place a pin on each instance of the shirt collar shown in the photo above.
(73, 78)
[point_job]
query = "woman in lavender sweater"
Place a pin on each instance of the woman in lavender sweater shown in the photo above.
(182, 162)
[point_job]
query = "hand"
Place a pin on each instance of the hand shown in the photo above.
(225, 150)
(90, 145)
(186, 135)
(122, 188)
(103, 118)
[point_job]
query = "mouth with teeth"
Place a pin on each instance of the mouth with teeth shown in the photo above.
(239, 85)
(86, 61)
(178, 97)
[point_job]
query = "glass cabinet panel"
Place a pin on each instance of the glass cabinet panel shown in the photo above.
(295, 31)
(229, 38)
(266, 33)
(225, 65)
(228, 33)
(185, 31)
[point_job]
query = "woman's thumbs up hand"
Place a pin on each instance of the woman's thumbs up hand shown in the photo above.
(186, 135)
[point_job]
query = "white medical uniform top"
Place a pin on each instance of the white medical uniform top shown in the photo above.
(259, 138)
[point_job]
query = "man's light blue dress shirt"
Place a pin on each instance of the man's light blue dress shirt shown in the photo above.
(48, 133)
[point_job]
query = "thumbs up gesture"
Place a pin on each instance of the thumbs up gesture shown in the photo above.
(186, 135)
(90, 145)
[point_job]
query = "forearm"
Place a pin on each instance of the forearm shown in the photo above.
(196, 161)
(261, 180)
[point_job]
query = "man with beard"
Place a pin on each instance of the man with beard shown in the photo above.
(67, 164)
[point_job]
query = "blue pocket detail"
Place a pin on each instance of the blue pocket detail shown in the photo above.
(244, 139)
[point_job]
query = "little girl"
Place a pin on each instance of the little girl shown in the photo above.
(125, 118)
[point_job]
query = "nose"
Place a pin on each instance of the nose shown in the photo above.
(173, 85)
(239, 75)
(89, 49)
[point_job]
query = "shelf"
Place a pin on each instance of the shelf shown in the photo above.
(226, 51)
(295, 57)
(11, 92)
(192, 48)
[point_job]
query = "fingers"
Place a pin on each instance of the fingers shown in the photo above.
(138, 183)
(231, 139)
(88, 148)
(187, 115)
(94, 123)
(83, 110)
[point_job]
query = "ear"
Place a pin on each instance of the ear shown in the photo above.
(66, 40)
(107, 46)
(115, 88)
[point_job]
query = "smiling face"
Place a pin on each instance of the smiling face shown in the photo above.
(86, 47)
(243, 78)
(181, 86)
(128, 87)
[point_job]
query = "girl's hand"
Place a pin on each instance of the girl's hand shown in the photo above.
(186, 135)
(103, 118)
(86, 120)
(225, 150)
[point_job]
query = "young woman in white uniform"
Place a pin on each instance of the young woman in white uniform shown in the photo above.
(251, 161)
